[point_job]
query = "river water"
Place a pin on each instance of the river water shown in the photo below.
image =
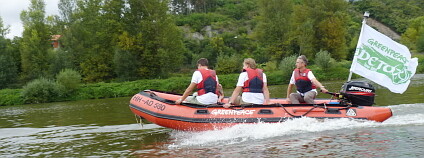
(107, 128)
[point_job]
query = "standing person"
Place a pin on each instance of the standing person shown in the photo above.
(208, 87)
(252, 82)
(305, 82)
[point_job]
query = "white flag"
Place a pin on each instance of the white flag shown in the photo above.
(383, 61)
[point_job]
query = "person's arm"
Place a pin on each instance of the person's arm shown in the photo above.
(186, 93)
(266, 94)
(234, 96)
(289, 89)
(314, 80)
(239, 88)
(318, 84)
(221, 93)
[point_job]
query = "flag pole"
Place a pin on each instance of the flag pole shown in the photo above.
(364, 21)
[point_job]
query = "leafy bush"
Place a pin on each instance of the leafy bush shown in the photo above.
(199, 20)
(275, 78)
(228, 64)
(69, 79)
(41, 91)
(323, 60)
(228, 81)
(287, 65)
(420, 43)
(344, 63)
(331, 74)
(270, 66)
(420, 68)
(11, 97)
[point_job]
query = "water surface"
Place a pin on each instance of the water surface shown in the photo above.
(107, 128)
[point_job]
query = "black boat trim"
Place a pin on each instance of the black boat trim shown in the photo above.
(152, 95)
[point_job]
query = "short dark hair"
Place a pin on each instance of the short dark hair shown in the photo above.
(203, 62)
(303, 57)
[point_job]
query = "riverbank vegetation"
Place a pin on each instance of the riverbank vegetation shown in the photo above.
(67, 86)
(114, 48)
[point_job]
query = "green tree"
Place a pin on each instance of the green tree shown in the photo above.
(69, 79)
(323, 60)
(162, 47)
(35, 42)
(287, 65)
(8, 67)
(126, 59)
(305, 38)
(228, 64)
(8, 70)
(332, 32)
(322, 25)
(4, 30)
(97, 23)
(104, 27)
(394, 13)
(238, 9)
(180, 7)
(204, 5)
(420, 43)
(188, 6)
(274, 27)
(101, 34)
(414, 35)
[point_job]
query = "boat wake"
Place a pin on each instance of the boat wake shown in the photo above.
(404, 114)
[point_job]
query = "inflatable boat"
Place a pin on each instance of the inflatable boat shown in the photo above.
(354, 101)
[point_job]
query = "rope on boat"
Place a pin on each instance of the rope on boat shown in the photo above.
(314, 106)
(139, 120)
(295, 115)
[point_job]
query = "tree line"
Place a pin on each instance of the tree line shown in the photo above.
(126, 40)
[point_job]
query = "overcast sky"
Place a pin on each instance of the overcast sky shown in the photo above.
(10, 11)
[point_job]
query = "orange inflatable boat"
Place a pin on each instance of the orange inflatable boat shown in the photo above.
(160, 108)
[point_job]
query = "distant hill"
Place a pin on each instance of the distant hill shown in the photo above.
(383, 29)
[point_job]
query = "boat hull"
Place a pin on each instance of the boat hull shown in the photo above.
(158, 107)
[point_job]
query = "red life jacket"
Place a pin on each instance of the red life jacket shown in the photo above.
(208, 83)
(255, 81)
(303, 83)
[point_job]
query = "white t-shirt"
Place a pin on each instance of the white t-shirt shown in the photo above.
(255, 98)
(208, 98)
(310, 77)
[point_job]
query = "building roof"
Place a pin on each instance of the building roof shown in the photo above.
(56, 37)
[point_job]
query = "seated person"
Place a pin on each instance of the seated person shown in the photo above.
(305, 82)
(207, 85)
(252, 82)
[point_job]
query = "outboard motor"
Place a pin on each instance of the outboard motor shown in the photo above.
(358, 93)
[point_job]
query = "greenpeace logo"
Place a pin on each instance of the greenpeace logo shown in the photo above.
(232, 112)
(360, 89)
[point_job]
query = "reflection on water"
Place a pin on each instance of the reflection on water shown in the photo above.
(78, 141)
(107, 128)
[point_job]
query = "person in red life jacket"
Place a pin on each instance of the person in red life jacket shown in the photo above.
(208, 87)
(252, 82)
(305, 82)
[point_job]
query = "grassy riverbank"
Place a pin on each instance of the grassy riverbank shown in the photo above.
(173, 84)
